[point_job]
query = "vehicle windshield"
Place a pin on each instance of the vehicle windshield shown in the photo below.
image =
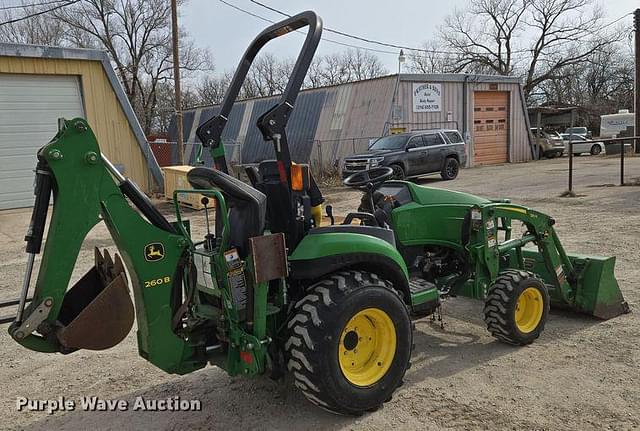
(391, 142)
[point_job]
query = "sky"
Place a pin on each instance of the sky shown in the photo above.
(227, 32)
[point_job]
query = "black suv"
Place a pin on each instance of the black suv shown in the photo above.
(413, 154)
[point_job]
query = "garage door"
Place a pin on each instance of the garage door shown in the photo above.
(30, 106)
(490, 127)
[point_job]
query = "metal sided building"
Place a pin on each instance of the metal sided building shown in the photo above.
(332, 122)
(40, 84)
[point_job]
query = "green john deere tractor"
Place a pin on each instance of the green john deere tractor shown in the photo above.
(269, 290)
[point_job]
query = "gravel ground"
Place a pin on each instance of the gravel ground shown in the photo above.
(581, 374)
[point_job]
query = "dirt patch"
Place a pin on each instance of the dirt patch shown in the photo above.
(582, 374)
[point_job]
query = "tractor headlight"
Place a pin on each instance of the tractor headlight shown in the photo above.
(375, 161)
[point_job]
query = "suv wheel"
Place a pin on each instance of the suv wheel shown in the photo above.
(450, 169)
(398, 172)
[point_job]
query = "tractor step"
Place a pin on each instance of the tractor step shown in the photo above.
(419, 285)
(425, 297)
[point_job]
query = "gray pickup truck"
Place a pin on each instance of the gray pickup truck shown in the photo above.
(413, 154)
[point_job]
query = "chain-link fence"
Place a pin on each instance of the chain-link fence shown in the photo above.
(324, 156)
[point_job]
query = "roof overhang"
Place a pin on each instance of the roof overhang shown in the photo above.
(458, 77)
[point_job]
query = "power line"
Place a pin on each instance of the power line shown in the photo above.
(22, 6)
(69, 3)
(393, 45)
(298, 31)
(363, 39)
(617, 20)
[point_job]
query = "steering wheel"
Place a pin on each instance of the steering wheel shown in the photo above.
(372, 176)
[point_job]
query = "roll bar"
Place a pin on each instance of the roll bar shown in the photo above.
(272, 123)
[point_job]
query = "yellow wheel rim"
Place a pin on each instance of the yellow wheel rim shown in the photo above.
(529, 310)
(367, 347)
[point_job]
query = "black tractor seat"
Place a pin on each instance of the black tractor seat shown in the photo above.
(248, 205)
(378, 232)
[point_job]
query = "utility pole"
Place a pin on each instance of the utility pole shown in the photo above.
(636, 109)
(176, 81)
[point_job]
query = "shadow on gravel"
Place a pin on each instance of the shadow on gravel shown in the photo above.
(441, 353)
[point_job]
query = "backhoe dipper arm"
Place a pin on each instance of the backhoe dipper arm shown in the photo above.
(273, 122)
(96, 312)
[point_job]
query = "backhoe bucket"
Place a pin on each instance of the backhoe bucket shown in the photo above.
(596, 289)
(97, 312)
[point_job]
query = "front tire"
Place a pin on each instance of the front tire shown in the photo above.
(450, 169)
(595, 150)
(398, 172)
(350, 341)
(517, 307)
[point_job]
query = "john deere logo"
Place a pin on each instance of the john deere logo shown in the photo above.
(154, 251)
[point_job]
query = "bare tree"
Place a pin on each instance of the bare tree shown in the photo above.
(433, 59)
(267, 76)
(568, 32)
(38, 30)
(210, 91)
(484, 35)
(362, 65)
(347, 66)
(601, 84)
(537, 39)
(137, 36)
(165, 109)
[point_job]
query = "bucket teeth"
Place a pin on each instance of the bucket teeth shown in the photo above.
(108, 268)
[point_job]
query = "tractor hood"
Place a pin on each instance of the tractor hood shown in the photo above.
(435, 196)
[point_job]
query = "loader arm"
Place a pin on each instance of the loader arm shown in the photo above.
(585, 284)
(97, 313)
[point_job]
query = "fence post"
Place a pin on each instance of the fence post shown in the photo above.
(573, 115)
(622, 162)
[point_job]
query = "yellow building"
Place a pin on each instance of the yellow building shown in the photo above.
(40, 84)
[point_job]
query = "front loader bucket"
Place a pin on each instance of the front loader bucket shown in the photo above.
(97, 312)
(596, 289)
(598, 292)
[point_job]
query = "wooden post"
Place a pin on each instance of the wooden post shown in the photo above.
(176, 81)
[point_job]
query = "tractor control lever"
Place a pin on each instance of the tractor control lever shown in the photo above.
(209, 238)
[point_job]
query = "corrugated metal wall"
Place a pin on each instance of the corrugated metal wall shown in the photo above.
(326, 124)
(333, 122)
(102, 108)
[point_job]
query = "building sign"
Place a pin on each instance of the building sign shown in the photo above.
(427, 97)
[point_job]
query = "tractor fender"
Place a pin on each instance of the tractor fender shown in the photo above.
(322, 254)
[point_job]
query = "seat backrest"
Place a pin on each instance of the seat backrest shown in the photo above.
(248, 205)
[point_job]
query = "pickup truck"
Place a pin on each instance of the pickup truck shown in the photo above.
(413, 154)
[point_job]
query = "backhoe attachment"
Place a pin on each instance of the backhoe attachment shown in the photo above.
(97, 312)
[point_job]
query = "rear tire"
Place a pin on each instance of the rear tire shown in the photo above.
(398, 172)
(595, 150)
(346, 310)
(450, 169)
(517, 307)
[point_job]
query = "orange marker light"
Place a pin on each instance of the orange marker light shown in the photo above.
(297, 177)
